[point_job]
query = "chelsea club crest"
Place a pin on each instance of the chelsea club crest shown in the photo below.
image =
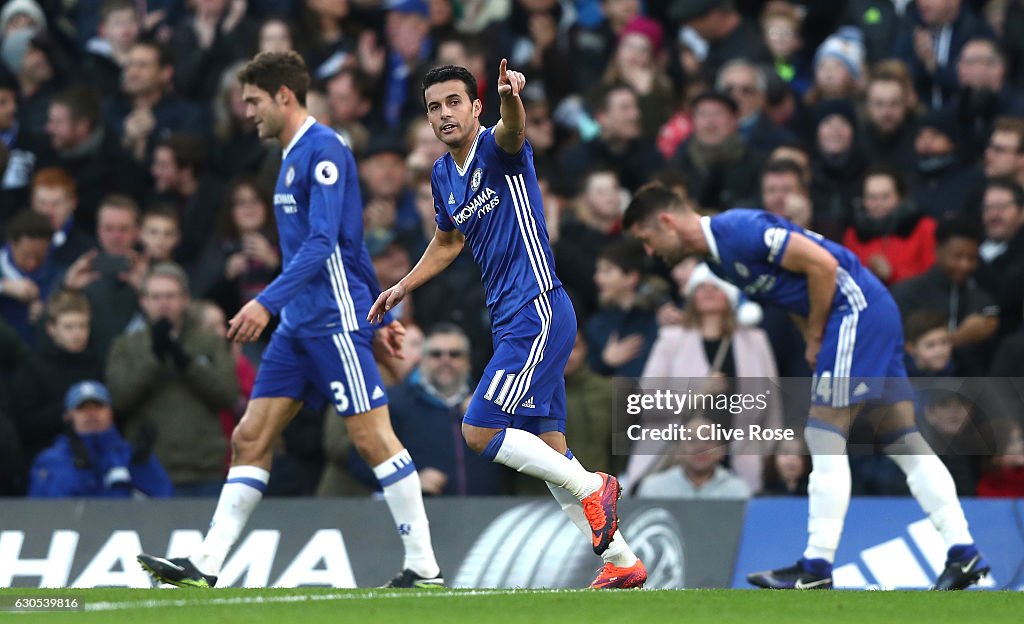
(478, 175)
(289, 177)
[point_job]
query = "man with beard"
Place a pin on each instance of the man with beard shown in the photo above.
(720, 167)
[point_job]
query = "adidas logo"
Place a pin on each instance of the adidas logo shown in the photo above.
(451, 199)
(528, 403)
(894, 564)
(862, 388)
(377, 393)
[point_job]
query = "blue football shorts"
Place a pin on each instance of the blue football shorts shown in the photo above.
(523, 385)
(861, 357)
(337, 367)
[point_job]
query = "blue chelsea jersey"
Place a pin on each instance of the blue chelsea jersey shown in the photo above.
(746, 249)
(494, 200)
(327, 283)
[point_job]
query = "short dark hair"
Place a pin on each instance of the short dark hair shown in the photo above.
(112, 6)
(163, 53)
(9, 83)
(188, 150)
(599, 102)
(716, 96)
(83, 102)
(648, 202)
(997, 48)
(898, 179)
(446, 328)
(119, 201)
(269, 71)
(29, 224)
(785, 165)
(1014, 125)
(958, 226)
(920, 322)
(361, 81)
(1009, 185)
(163, 210)
(445, 73)
(626, 254)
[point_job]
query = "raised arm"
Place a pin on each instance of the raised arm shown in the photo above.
(442, 250)
(805, 257)
(510, 131)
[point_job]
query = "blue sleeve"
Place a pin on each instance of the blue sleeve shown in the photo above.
(514, 162)
(54, 475)
(444, 222)
(327, 176)
(750, 235)
(150, 478)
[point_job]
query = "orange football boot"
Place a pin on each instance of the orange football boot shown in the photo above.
(614, 577)
(601, 510)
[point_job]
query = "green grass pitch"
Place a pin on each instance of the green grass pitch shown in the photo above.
(367, 606)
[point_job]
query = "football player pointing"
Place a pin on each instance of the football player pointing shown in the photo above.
(486, 194)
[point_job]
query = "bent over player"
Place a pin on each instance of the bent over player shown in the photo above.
(321, 349)
(485, 192)
(855, 346)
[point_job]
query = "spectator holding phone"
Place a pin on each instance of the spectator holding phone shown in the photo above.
(111, 275)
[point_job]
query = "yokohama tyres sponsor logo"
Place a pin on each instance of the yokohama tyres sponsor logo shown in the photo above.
(323, 560)
(480, 205)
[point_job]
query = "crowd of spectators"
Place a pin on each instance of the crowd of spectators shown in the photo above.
(137, 215)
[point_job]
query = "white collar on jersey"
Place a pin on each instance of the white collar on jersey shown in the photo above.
(705, 224)
(306, 125)
(472, 153)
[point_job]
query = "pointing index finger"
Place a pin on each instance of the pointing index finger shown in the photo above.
(502, 69)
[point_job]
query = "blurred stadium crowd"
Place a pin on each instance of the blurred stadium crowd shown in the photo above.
(137, 215)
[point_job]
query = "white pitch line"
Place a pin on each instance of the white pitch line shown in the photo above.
(244, 600)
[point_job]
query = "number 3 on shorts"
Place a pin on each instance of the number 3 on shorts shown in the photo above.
(340, 398)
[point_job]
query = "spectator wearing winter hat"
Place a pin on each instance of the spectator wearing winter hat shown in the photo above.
(640, 62)
(838, 67)
(838, 166)
(945, 182)
(714, 342)
(21, 14)
(933, 35)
